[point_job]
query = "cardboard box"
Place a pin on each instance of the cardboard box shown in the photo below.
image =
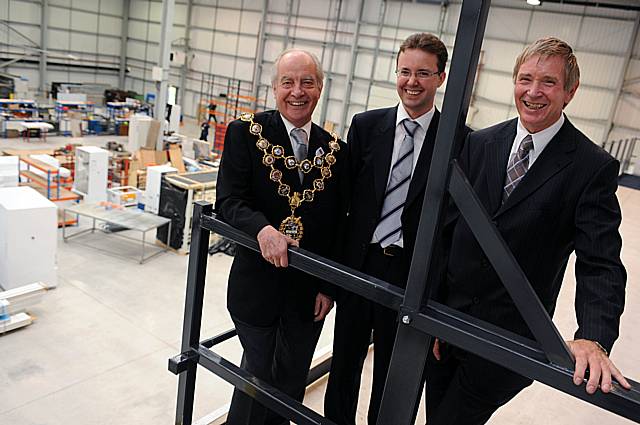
(152, 135)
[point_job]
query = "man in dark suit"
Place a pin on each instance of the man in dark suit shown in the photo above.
(280, 181)
(550, 191)
(390, 152)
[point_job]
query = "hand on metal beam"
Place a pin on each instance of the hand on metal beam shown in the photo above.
(590, 355)
(273, 246)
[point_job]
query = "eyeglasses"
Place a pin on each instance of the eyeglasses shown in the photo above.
(420, 75)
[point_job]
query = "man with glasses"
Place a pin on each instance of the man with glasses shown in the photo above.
(390, 152)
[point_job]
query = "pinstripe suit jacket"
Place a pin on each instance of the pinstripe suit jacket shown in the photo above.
(565, 203)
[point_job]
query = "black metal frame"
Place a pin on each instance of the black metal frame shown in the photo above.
(548, 360)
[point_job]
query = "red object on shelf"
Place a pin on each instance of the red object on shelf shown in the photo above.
(221, 131)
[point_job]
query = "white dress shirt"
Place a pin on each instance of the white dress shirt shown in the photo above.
(423, 121)
(540, 139)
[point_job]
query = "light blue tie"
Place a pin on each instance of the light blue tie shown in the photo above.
(389, 228)
(300, 147)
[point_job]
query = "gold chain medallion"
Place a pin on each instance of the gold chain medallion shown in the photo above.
(292, 225)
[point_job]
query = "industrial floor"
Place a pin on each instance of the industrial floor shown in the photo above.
(97, 353)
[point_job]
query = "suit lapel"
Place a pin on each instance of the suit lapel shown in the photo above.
(556, 156)
(421, 172)
(497, 156)
(382, 152)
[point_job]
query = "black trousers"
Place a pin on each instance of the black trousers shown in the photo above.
(356, 319)
(464, 389)
(279, 355)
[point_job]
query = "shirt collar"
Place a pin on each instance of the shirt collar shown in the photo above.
(423, 120)
(289, 126)
(540, 139)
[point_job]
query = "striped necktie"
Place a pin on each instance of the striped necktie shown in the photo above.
(389, 228)
(518, 167)
(300, 147)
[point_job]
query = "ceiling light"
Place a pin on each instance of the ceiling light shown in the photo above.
(533, 2)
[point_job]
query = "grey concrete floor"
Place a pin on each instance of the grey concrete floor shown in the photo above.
(98, 351)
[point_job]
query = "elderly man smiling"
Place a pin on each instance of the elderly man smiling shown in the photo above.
(280, 181)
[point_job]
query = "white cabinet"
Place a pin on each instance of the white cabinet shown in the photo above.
(28, 228)
(92, 165)
(154, 181)
(9, 171)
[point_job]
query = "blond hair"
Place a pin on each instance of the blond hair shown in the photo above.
(547, 47)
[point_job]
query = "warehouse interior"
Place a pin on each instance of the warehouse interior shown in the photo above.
(92, 312)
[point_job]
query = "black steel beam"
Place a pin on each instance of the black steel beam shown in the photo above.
(507, 268)
(364, 285)
(194, 298)
(404, 380)
(268, 396)
(521, 356)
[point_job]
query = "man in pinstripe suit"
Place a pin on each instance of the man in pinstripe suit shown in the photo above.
(550, 191)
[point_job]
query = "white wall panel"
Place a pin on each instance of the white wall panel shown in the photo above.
(4, 9)
(59, 17)
(341, 61)
(227, 20)
(110, 25)
(138, 30)
(66, 3)
(247, 46)
(244, 70)
(222, 65)
(135, 49)
(225, 43)
(272, 49)
(495, 87)
(90, 5)
(565, 27)
(112, 6)
(591, 103)
(153, 53)
(485, 114)
(155, 11)
(423, 16)
(252, 4)
(315, 8)
(28, 13)
(382, 97)
(83, 42)
(364, 65)
(154, 33)
(108, 46)
(310, 29)
(201, 39)
(250, 22)
(600, 70)
(451, 20)
(507, 24)
(28, 31)
(628, 113)
(385, 68)
(201, 62)
(139, 9)
(203, 17)
(605, 35)
(595, 132)
(180, 14)
(58, 39)
(84, 21)
(499, 55)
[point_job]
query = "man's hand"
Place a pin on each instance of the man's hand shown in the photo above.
(590, 355)
(273, 246)
(324, 304)
(436, 349)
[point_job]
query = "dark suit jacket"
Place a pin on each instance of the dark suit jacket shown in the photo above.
(247, 199)
(566, 202)
(370, 143)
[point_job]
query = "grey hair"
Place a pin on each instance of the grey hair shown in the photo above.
(314, 58)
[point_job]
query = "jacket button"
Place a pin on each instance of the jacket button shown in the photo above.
(475, 300)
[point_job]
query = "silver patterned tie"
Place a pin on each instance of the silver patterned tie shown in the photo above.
(300, 147)
(389, 228)
(518, 166)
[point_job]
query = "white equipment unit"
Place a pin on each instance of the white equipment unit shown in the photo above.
(9, 172)
(28, 229)
(154, 181)
(139, 126)
(174, 119)
(92, 165)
